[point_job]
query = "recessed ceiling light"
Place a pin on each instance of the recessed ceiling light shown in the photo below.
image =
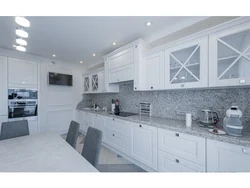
(148, 23)
(80, 61)
(22, 21)
(21, 48)
(54, 55)
(21, 33)
(93, 54)
(114, 43)
(21, 41)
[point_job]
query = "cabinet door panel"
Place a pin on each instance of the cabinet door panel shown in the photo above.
(229, 56)
(98, 122)
(22, 73)
(121, 74)
(143, 144)
(224, 157)
(188, 147)
(3, 86)
(171, 163)
(153, 69)
(187, 64)
(117, 126)
(123, 58)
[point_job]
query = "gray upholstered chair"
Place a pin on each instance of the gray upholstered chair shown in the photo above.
(73, 133)
(14, 129)
(92, 146)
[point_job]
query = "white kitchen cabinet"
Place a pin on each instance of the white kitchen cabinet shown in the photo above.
(143, 144)
(225, 157)
(153, 71)
(172, 163)
(3, 86)
(3, 119)
(115, 134)
(22, 73)
(188, 147)
(98, 122)
(86, 84)
(121, 74)
(187, 65)
(33, 127)
(229, 57)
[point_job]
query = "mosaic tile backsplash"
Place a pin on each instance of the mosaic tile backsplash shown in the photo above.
(169, 104)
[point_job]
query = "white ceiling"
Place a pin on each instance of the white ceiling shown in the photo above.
(75, 39)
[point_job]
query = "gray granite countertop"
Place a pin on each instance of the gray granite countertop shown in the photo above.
(180, 126)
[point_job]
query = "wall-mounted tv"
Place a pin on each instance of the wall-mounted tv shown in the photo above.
(60, 79)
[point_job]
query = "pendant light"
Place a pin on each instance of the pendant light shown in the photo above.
(21, 33)
(22, 21)
(21, 48)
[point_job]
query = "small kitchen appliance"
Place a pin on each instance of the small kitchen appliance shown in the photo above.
(232, 123)
(117, 107)
(208, 118)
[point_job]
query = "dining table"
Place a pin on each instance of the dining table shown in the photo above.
(43, 152)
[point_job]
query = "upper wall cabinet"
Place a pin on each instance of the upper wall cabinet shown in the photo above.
(125, 64)
(3, 87)
(86, 84)
(186, 65)
(22, 73)
(153, 71)
(229, 57)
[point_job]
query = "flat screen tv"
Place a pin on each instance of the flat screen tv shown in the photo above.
(60, 79)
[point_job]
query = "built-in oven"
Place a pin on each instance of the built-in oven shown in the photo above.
(22, 104)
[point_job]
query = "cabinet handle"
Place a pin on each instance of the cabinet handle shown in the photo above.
(113, 119)
(136, 46)
(176, 160)
(152, 87)
(176, 134)
(244, 150)
(140, 126)
(118, 79)
(182, 85)
(135, 88)
(113, 134)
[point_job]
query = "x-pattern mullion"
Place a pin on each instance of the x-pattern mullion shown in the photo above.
(241, 54)
(183, 65)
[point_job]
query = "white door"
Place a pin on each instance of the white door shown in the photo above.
(98, 122)
(187, 65)
(224, 157)
(3, 86)
(33, 127)
(229, 57)
(22, 73)
(153, 71)
(143, 144)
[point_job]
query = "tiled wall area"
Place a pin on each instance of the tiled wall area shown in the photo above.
(168, 103)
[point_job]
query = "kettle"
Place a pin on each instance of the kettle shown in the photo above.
(208, 118)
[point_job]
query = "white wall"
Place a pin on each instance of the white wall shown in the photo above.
(56, 103)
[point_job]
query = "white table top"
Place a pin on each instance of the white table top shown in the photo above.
(46, 152)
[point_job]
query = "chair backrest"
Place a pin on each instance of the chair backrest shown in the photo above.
(14, 129)
(92, 146)
(73, 133)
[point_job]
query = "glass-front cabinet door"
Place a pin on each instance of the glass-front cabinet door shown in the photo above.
(94, 81)
(229, 58)
(187, 65)
(86, 85)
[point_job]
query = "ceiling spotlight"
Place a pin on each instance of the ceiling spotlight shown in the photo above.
(114, 43)
(80, 61)
(93, 54)
(22, 21)
(54, 55)
(21, 33)
(21, 48)
(148, 23)
(21, 41)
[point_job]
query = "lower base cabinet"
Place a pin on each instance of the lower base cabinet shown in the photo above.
(172, 163)
(143, 144)
(33, 127)
(3, 119)
(224, 157)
